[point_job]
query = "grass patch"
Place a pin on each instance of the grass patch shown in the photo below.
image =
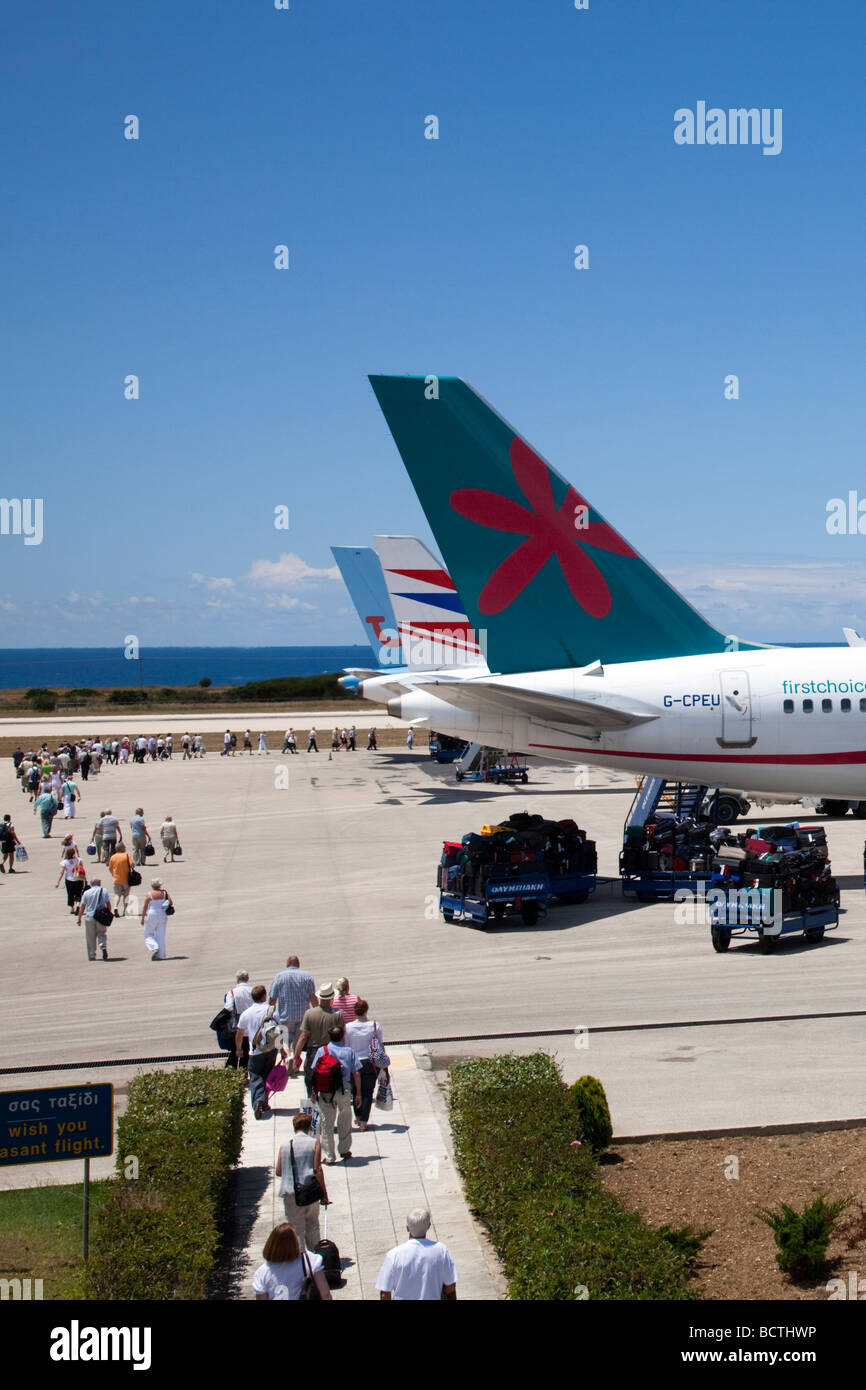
(40, 1235)
(559, 1234)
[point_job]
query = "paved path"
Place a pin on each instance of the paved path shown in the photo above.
(404, 1161)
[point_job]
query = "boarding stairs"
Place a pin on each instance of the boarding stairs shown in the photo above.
(656, 796)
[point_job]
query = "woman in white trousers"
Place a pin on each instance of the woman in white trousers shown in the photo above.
(153, 916)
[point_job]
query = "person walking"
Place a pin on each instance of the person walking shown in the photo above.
(352, 739)
(120, 865)
(285, 1269)
(170, 837)
(46, 805)
(237, 1000)
(312, 744)
(292, 992)
(227, 743)
(315, 1031)
(371, 742)
(410, 739)
(420, 1269)
(185, 745)
(344, 1001)
(95, 901)
(139, 835)
(364, 1036)
(248, 741)
(109, 828)
(75, 874)
(290, 743)
(299, 1162)
(335, 740)
(261, 1031)
(70, 795)
(8, 841)
(334, 1092)
(263, 747)
(153, 918)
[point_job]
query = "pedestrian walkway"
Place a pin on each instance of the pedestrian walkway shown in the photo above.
(403, 1161)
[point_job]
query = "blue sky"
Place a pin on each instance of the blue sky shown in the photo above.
(453, 256)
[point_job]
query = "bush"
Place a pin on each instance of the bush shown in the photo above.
(158, 1235)
(589, 1104)
(82, 693)
(552, 1223)
(205, 682)
(42, 699)
(803, 1237)
(127, 697)
(285, 688)
(687, 1241)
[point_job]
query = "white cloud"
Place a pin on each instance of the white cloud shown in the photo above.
(286, 601)
(204, 581)
(134, 599)
(286, 572)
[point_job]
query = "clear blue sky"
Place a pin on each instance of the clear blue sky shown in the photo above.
(306, 127)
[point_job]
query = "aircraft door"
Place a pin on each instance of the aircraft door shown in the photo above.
(737, 710)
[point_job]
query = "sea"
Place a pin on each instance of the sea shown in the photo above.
(79, 667)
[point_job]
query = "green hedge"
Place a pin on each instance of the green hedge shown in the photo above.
(159, 1233)
(553, 1225)
(290, 688)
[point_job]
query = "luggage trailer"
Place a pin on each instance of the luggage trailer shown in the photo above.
(726, 922)
(528, 893)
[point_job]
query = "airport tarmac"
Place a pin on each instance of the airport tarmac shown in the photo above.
(335, 860)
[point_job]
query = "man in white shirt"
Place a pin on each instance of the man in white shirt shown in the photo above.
(420, 1269)
(263, 1058)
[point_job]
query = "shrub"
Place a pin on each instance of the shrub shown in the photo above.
(284, 688)
(551, 1221)
(205, 682)
(687, 1241)
(158, 1236)
(127, 697)
(83, 692)
(42, 699)
(589, 1104)
(803, 1237)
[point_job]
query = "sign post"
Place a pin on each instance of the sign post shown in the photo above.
(57, 1123)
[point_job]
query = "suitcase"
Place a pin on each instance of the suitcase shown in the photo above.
(330, 1256)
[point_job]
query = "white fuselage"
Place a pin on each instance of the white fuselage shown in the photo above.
(736, 719)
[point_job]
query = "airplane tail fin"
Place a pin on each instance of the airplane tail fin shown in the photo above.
(433, 627)
(362, 575)
(547, 580)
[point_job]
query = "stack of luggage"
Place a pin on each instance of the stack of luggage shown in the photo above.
(668, 844)
(522, 841)
(786, 857)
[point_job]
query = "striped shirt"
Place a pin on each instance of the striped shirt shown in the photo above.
(292, 988)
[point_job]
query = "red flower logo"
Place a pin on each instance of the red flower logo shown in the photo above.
(548, 532)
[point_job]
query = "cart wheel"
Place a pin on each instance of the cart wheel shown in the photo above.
(499, 911)
(766, 943)
(459, 775)
(525, 777)
(815, 934)
(448, 914)
(721, 938)
(529, 913)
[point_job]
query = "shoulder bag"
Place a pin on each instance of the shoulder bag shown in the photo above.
(309, 1289)
(306, 1192)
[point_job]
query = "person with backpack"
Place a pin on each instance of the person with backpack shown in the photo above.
(336, 1078)
(8, 841)
(265, 1039)
(237, 1000)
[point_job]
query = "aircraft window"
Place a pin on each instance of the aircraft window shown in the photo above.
(863, 706)
(845, 706)
(808, 706)
(827, 706)
(788, 706)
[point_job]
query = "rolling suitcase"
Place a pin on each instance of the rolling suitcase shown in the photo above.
(330, 1256)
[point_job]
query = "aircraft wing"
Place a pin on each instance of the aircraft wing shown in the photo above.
(535, 704)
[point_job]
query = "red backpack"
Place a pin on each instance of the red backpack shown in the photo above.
(327, 1074)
